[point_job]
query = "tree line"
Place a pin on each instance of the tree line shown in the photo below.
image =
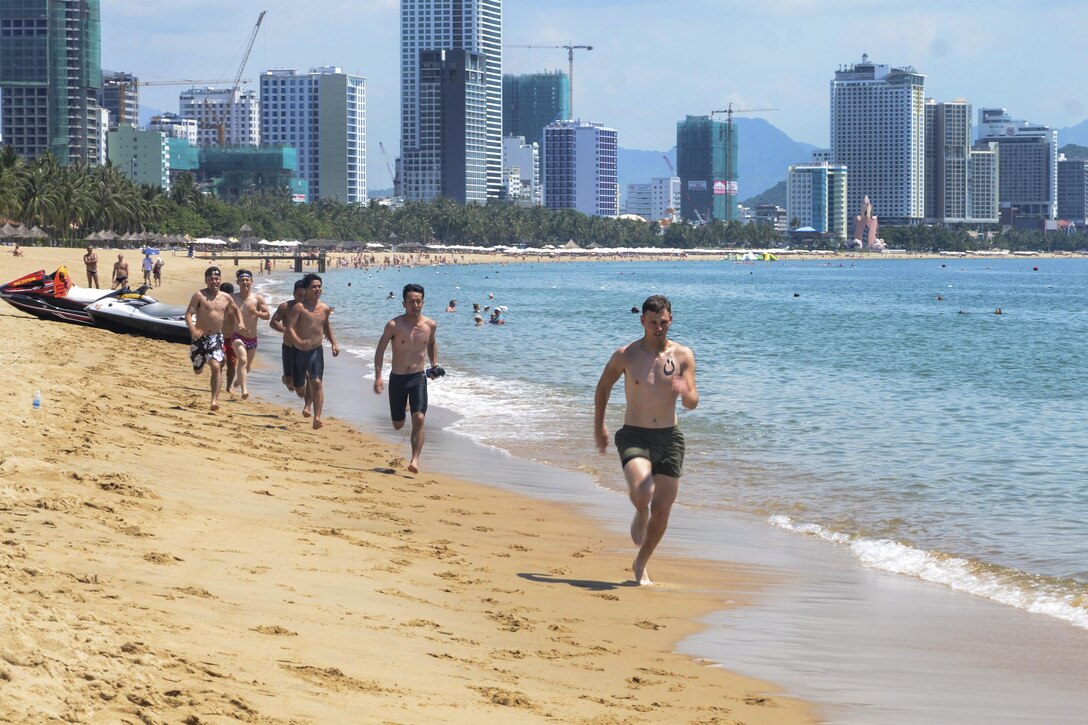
(71, 202)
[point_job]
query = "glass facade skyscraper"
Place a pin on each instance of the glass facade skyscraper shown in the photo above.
(706, 158)
(470, 25)
(50, 74)
(530, 102)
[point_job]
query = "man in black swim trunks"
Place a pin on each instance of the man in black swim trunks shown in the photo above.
(656, 371)
(413, 339)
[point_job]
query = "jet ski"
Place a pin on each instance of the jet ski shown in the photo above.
(155, 319)
(53, 296)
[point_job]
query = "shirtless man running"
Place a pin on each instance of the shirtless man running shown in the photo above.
(90, 259)
(204, 316)
(244, 338)
(287, 353)
(656, 371)
(413, 337)
(306, 327)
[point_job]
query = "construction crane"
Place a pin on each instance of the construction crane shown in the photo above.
(124, 83)
(729, 111)
(694, 208)
(221, 121)
(731, 184)
(389, 167)
(570, 48)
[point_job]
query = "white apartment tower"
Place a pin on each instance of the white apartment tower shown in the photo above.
(322, 114)
(580, 161)
(878, 133)
(471, 25)
(660, 199)
(239, 112)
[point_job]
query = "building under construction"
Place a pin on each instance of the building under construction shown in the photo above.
(706, 162)
(50, 74)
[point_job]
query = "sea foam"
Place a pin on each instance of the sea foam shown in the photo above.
(1061, 599)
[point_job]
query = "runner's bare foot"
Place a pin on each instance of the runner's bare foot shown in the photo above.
(641, 576)
(215, 407)
(413, 466)
(305, 412)
(317, 423)
(245, 395)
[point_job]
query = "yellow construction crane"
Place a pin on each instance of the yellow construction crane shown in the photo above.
(221, 120)
(125, 82)
(729, 111)
(570, 48)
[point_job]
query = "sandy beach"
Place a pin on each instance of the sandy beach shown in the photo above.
(162, 563)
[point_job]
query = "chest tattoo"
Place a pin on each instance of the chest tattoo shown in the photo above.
(669, 367)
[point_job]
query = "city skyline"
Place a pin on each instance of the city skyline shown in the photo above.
(694, 59)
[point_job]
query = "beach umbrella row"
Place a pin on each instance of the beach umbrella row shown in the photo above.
(9, 231)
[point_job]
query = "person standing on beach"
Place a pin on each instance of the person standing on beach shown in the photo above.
(90, 259)
(120, 273)
(205, 315)
(413, 339)
(146, 266)
(244, 338)
(656, 371)
(156, 270)
(306, 327)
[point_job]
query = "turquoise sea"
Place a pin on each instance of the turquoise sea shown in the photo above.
(876, 415)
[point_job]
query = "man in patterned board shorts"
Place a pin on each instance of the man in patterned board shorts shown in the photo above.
(204, 316)
(656, 371)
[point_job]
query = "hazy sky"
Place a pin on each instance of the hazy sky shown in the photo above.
(652, 62)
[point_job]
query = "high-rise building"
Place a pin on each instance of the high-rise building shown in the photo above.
(878, 133)
(322, 115)
(580, 162)
(530, 102)
(450, 158)
(1073, 190)
(470, 25)
(142, 156)
(238, 112)
(816, 196)
(960, 180)
(521, 160)
(50, 73)
(947, 158)
(706, 158)
(983, 206)
(660, 199)
(120, 95)
(1027, 163)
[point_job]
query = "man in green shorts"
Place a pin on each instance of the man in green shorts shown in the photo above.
(656, 371)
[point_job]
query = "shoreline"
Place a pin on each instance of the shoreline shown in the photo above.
(197, 564)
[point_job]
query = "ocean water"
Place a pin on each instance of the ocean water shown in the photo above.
(874, 410)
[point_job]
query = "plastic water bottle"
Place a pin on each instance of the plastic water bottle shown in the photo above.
(37, 399)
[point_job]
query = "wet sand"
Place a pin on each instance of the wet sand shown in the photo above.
(164, 563)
